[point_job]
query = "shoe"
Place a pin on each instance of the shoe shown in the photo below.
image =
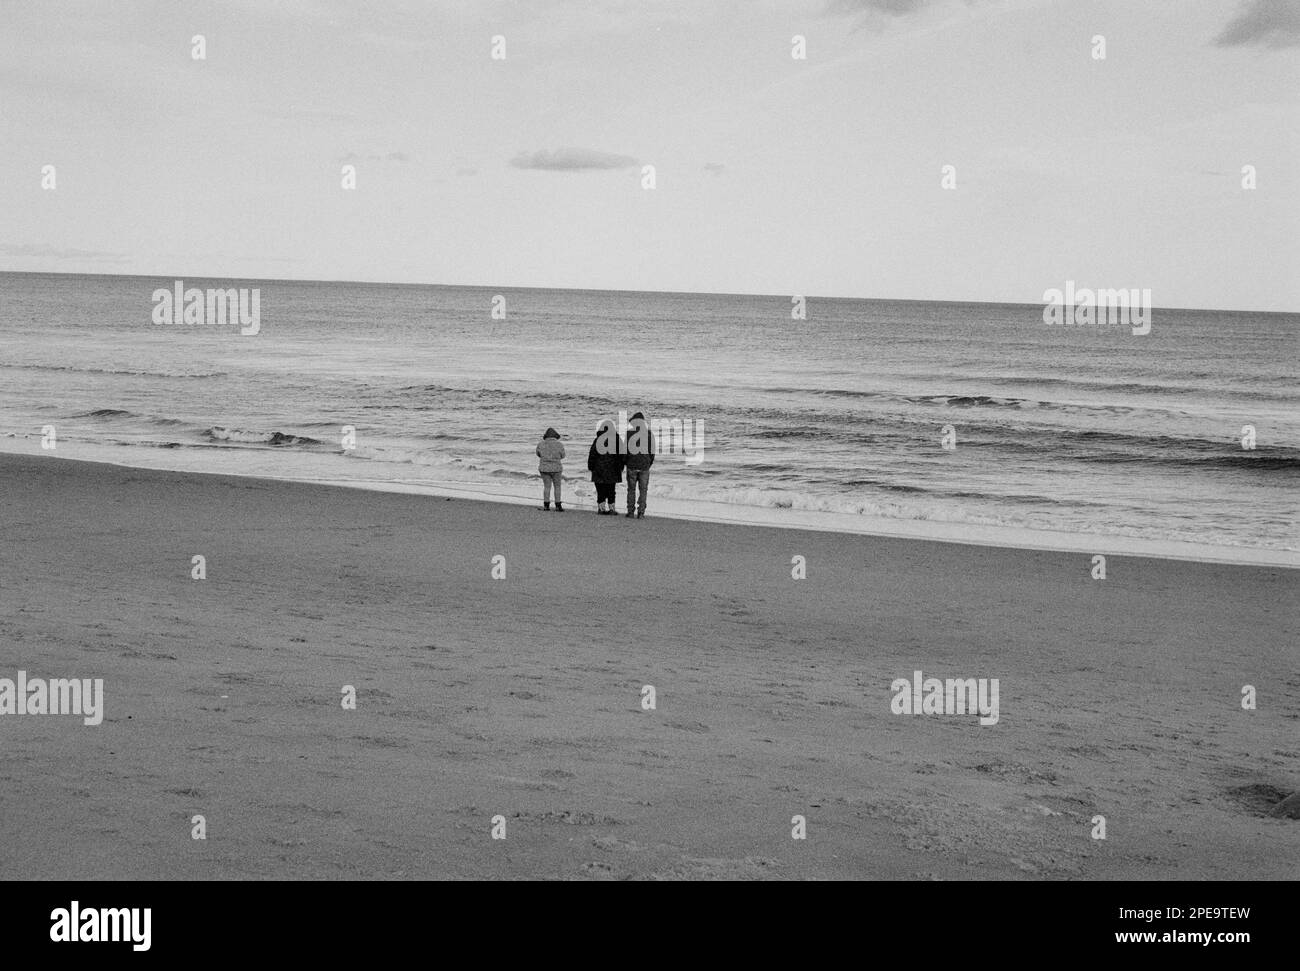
(546, 505)
(640, 514)
(630, 515)
(559, 507)
(600, 507)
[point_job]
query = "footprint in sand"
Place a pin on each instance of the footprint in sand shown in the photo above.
(382, 741)
(749, 868)
(612, 844)
(568, 817)
(1263, 799)
(1288, 808)
(697, 727)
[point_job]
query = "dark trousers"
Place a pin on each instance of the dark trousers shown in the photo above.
(605, 491)
(635, 477)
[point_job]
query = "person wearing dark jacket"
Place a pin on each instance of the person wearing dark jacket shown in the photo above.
(640, 456)
(605, 462)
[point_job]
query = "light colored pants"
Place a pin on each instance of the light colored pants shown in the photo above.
(550, 479)
(635, 477)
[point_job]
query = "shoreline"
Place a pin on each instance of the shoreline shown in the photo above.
(994, 537)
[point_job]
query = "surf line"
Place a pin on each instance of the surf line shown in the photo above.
(955, 696)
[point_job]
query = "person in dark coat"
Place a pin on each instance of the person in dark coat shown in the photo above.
(640, 456)
(605, 462)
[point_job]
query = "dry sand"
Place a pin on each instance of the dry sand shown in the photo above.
(521, 697)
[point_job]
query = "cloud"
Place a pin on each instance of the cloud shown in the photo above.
(571, 160)
(389, 157)
(299, 114)
(466, 171)
(1263, 23)
(895, 8)
(61, 253)
(714, 167)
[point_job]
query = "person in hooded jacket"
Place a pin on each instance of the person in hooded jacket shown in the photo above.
(640, 456)
(605, 461)
(550, 452)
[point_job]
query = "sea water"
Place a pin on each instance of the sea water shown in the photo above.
(975, 422)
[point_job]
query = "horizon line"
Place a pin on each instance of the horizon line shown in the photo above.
(688, 293)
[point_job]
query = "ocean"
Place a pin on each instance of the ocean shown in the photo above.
(1097, 437)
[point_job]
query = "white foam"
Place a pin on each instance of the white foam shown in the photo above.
(945, 532)
(322, 470)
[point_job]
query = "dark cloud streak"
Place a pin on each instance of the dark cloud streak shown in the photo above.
(571, 160)
(895, 8)
(389, 157)
(33, 251)
(1263, 23)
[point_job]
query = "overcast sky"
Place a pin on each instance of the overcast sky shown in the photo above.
(774, 175)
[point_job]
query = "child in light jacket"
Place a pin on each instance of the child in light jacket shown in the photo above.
(550, 450)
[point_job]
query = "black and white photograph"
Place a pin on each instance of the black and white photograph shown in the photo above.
(673, 440)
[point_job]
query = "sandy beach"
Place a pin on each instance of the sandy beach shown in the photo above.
(522, 697)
